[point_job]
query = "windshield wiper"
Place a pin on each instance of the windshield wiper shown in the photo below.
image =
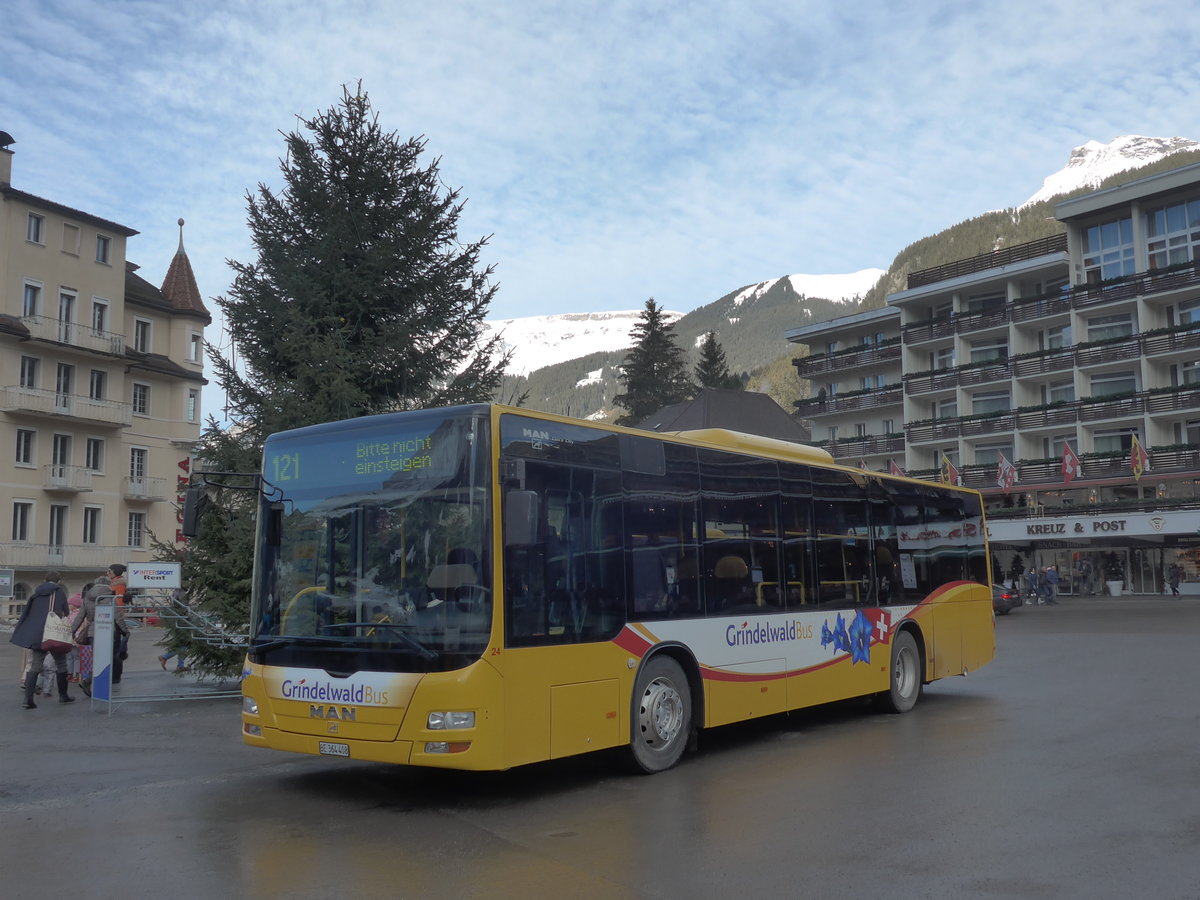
(347, 640)
(412, 643)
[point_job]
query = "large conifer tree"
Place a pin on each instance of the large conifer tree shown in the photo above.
(712, 371)
(361, 301)
(653, 372)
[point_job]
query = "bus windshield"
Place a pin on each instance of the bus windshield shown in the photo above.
(373, 545)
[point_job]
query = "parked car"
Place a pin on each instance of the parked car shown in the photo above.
(1004, 599)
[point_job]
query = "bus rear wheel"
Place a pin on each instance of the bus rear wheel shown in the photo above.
(905, 688)
(661, 715)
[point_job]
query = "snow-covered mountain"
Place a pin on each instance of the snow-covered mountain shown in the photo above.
(539, 341)
(1091, 163)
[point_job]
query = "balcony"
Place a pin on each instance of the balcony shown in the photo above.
(66, 479)
(986, 261)
(83, 410)
(966, 375)
(889, 395)
(147, 489)
(90, 558)
(84, 337)
(850, 358)
(869, 445)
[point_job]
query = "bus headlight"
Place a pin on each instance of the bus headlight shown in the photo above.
(439, 721)
(250, 706)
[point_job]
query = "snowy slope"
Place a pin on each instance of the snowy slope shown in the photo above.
(538, 341)
(1091, 163)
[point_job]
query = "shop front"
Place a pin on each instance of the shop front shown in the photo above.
(1136, 553)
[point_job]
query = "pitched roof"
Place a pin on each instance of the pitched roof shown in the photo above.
(744, 411)
(180, 286)
(49, 205)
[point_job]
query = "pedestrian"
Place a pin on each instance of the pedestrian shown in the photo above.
(101, 589)
(1031, 584)
(48, 596)
(116, 580)
(76, 603)
(180, 662)
(1173, 576)
(1052, 584)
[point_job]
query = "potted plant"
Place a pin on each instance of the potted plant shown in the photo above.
(1114, 575)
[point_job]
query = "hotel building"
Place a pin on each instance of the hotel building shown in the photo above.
(1068, 357)
(101, 375)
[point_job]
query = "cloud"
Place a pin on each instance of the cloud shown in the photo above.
(614, 150)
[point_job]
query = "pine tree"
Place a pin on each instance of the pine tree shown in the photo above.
(712, 371)
(653, 372)
(361, 301)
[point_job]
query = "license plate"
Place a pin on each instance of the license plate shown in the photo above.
(329, 749)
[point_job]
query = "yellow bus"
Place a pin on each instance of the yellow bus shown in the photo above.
(482, 587)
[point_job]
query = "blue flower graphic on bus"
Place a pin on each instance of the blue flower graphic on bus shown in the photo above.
(855, 640)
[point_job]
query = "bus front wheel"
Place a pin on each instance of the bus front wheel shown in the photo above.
(905, 688)
(662, 715)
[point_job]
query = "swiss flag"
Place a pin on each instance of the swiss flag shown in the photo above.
(1072, 468)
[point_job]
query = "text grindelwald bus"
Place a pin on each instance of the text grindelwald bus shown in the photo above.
(482, 587)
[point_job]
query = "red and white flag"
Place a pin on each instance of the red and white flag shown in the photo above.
(1006, 474)
(894, 469)
(1072, 468)
(1139, 459)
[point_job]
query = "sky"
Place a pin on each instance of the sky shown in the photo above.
(613, 151)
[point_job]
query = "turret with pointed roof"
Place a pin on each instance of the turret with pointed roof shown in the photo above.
(179, 287)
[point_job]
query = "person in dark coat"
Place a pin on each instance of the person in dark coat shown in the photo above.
(48, 595)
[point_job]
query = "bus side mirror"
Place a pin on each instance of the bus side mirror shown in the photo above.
(520, 518)
(194, 502)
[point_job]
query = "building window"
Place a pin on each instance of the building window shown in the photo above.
(1189, 372)
(103, 248)
(60, 455)
(29, 372)
(137, 464)
(94, 454)
(63, 386)
(141, 399)
(99, 317)
(137, 529)
(70, 238)
(1054, 445)
(66, 317)
(141, 335)
(1058, 392)
(989, 454)
(193, 405)
(1173, 234)
(24, 455)
(1189, 312)
(1114, 383)
(1117, 441)
(22, 519)
(979, 304)
(98, 384)
(1056, 338)
(57, 535)
(34, 226)
(992, 350)
(860, 430)
(941, 359)
(33, 300)
(945, 409)
(91, 524)
(990, 402)
(1105, 328)
(889, 426)
(1108, 250)
(195, 348)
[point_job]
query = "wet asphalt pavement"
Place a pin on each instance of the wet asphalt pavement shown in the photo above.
(1068, 767)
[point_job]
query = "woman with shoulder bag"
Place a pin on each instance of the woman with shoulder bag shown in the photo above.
(48, 597)
(87, 632)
